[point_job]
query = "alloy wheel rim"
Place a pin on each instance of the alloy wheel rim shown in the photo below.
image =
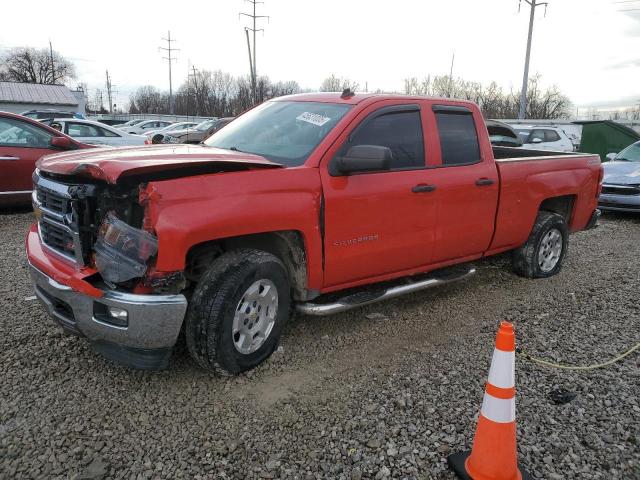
(550, 250)
(255, 316)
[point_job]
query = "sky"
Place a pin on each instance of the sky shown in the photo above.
(589, 48)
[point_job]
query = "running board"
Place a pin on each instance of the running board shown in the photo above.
(360, 299)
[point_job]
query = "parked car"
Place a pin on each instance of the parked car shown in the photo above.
(22, 142)
(621, 183)
(502, 135)
(112, 122)
(147, 125)
(299, 197)
(170, 128)
(198, 134)
(544, 138)
(130, 123)
(95, 133)
(51, 113)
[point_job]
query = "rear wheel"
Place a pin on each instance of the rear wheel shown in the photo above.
(237, 312)
(546, 248)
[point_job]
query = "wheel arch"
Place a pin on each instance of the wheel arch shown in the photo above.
(563, 205)
(286, 245)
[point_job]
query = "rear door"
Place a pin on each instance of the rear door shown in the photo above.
(466, 182)
(21, 144)
(378, 223)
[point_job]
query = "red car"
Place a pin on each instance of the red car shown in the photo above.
(22, 142)
(301, 197)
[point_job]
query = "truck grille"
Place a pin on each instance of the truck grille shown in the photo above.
(621, 189)
(57, 222)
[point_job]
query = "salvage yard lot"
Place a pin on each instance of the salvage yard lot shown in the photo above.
(385, 391)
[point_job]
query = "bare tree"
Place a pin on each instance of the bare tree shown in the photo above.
(493, 101)
(28, 65)
(338, 84)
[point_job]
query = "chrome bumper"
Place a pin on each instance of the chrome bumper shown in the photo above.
(154, 321)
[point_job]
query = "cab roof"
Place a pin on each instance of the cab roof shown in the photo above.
(336, 97)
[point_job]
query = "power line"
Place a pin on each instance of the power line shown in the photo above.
(254, 17)
(525, 77)
(169, 49)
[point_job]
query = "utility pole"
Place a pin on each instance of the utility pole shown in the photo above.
(251, 71)
(453, 56)
(53, 70)
(525, 78)
(169, 58)
(109, 93)
(195, 87)
(255, 30)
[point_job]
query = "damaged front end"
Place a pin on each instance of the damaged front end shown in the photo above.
(104, 227)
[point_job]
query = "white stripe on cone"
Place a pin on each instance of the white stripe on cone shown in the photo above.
(498, 410)
(502, 372)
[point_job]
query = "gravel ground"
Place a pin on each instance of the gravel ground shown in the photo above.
(385, 391)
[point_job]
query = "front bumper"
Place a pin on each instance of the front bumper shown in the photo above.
(154, 321)
(619, 203)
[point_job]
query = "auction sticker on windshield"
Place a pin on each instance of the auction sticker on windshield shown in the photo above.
(313, 118)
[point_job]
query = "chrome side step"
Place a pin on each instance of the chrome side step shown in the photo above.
(366, 298)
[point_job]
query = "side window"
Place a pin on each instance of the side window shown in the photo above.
(458, 138)
(107, 133)
(14, 133)
(400, 131)
(551, 136)
(537, 134)
(81, 130)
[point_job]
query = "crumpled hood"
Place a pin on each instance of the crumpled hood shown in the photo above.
(622, 173)
(112, 164)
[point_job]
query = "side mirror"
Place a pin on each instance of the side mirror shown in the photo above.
(363, 158)
(611, 156)
(536, 140)
(63, 143)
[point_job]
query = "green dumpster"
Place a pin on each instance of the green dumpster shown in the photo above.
(605, 136)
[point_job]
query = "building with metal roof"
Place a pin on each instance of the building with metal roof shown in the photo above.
(19, 97)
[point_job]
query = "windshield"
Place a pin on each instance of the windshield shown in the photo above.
(629, 154)
(283, 132)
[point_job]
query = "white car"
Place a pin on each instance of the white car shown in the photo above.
(544, 138)
(95, 133)
(171, 128)
(147, 125)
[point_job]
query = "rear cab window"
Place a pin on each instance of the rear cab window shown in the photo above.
(458, 135)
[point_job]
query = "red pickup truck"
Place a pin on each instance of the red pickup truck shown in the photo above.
(316, 202)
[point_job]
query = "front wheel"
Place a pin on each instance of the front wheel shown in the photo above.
(546, 248)
(237, 311)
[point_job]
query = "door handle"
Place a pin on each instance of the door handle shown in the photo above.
(484, 182)
(9, 158)
(423, 188)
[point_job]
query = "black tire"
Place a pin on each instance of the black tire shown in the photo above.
(209, 320)
(526, 258)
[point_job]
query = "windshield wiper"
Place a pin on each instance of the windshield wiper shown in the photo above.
(236, 149)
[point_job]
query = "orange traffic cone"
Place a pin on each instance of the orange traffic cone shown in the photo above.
(494, 453)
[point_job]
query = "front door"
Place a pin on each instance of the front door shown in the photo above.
(378, 223)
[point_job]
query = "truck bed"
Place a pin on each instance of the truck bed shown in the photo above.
(530, 177)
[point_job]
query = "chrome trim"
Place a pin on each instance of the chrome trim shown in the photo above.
(17, 192)
(10, 158)
(393, 292)
(59, 188)
(154, 320)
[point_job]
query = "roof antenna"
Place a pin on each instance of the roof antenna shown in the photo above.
(347, 93)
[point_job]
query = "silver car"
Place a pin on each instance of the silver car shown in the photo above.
(621, 182)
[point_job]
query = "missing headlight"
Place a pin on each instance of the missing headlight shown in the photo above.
(122, 251)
